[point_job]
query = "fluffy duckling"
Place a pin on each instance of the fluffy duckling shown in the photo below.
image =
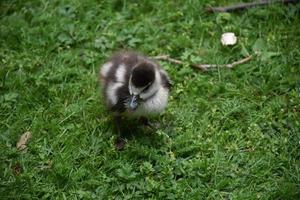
(133, 85)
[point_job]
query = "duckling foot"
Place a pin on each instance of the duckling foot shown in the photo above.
(120, 143)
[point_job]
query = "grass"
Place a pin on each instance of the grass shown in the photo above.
(227, 134)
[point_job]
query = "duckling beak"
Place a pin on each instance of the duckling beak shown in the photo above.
(133, 102)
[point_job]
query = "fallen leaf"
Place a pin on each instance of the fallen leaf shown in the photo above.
(16, 169)
(21, 144)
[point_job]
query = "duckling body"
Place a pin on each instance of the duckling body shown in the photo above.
(133, 86)
(119, 84)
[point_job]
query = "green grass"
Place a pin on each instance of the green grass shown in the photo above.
(226, 134)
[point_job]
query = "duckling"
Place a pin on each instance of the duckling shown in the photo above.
(133, 85)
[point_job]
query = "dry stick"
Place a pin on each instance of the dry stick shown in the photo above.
(242, 6)
(172, 60)
(203, 67)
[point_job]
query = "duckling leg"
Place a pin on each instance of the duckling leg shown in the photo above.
(145, 122)
(120, 141)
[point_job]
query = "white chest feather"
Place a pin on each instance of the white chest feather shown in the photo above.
(154, 105)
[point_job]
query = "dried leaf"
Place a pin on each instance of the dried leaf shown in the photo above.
(21, 144)
(16, 169)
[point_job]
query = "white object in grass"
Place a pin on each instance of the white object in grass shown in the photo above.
(228, 39)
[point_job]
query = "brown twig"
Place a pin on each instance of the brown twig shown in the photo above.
(242, 6)
(203, 67)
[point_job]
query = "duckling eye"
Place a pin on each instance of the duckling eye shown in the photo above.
(146, 88)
